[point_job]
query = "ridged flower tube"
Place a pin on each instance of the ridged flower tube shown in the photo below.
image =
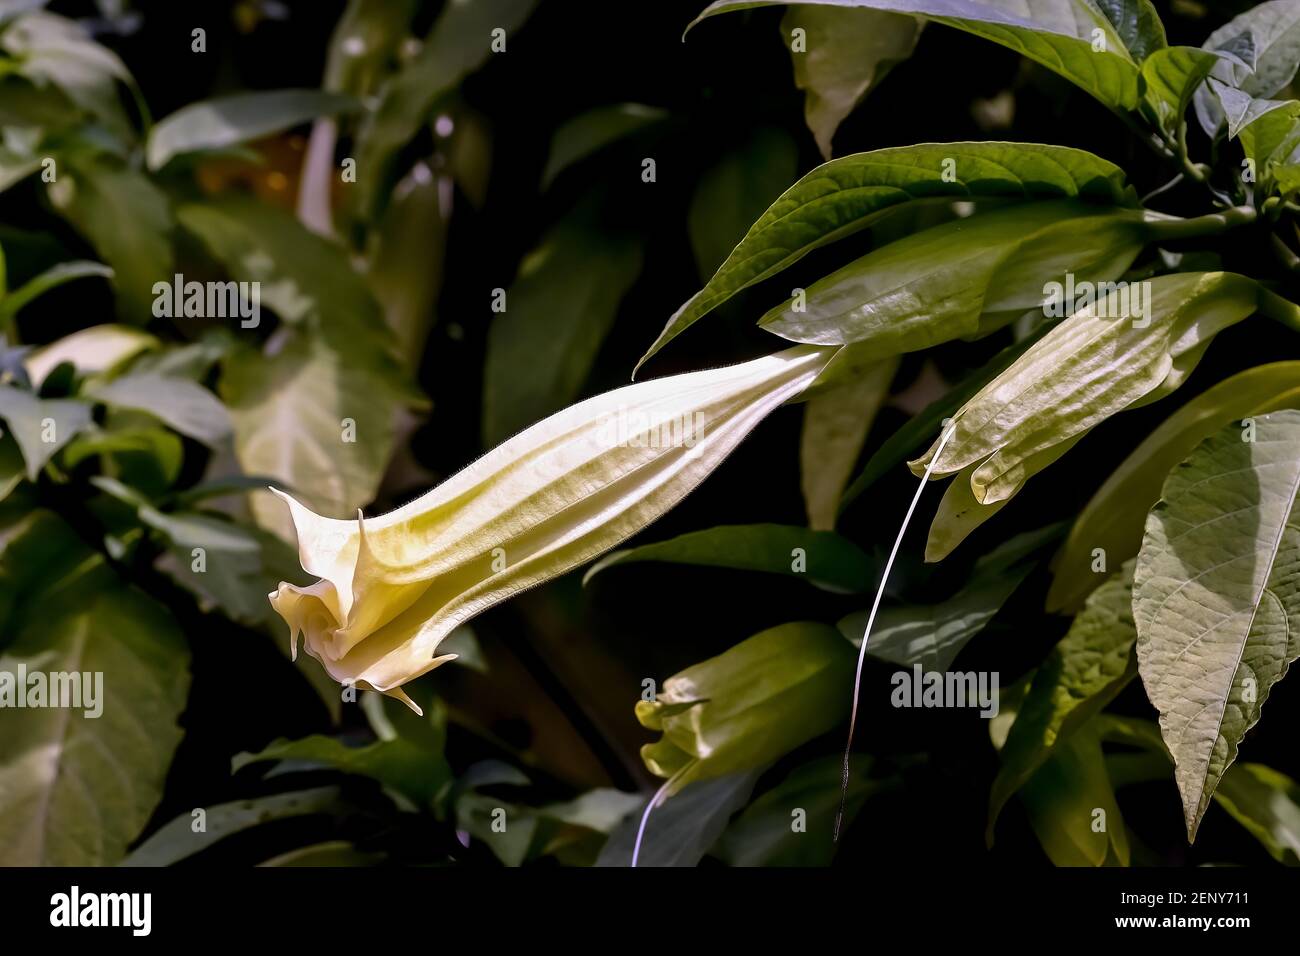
(551, 498)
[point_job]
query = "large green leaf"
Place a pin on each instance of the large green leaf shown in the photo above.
(735, 191)
(1216, 596)
(1099, 361)
(1096, 45)
(180, 838)
(932, 635)
(847, 195)
(183, 405)
(1113, 519)
(961, 279)
(835, 426)
(459, 43)
(128, 221)
(1081, 675)
(822, 558)
(75, 790)
(558, 312)
(230, 120)
(845, 53)
(291, 412)
(1072, 807)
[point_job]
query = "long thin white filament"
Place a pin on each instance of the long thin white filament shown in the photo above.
(871, 619)
(654, 802)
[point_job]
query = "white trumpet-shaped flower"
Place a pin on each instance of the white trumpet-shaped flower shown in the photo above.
(553, 497)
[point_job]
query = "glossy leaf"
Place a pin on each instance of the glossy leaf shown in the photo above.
(1097, 46)
(962, 279)
(847, 195)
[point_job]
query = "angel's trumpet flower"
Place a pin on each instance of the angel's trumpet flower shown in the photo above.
(553, 497)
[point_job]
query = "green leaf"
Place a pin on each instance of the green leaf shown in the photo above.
(459, 43)
(765, 833)
(734, 191)
(290, 412)
(591, 132)
(1097, 46)
(407, 258)
(400, 764)
(558, 311)
(961, 279)
(54, 50)
(1071, 805)
(1103, 359)
(364, 42)
(683, 829)
(178, 838)
(231, 120)
(749, 705)
(51, 278)
(1266, 803)
(98, 349)
(41, 426)
(76, 790)
(1243, 110)
(835, 426)
(140, 452)
(1216, 596)
(178, 403)
(932, 635)
(1114, 518)
(923, 426)
(1082, 674)
(845, 54)
(823, 558)
(239, 567)
(128, 221)
(1274, 28)
(847, 195)
(1169, 78)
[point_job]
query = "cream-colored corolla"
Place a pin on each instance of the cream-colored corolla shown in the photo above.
(553, 497)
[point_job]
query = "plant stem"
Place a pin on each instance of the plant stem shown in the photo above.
(1279, 309)
(1210, 224)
